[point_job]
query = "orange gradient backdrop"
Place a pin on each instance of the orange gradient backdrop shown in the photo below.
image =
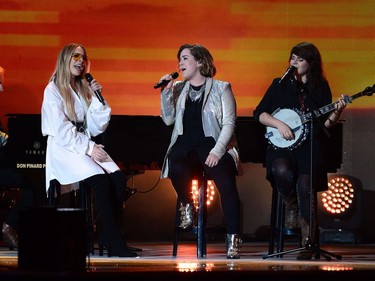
(132, 43)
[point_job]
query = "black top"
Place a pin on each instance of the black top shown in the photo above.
(192, 122)
(292, 95)
(193, 135)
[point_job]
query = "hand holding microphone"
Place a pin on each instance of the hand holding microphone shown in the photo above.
(97, 92)
(164, 82)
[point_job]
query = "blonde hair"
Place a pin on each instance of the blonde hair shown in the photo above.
(62, 78)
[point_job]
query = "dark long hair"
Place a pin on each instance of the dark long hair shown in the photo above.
(310, 53)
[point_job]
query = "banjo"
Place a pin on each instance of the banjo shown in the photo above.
(297, 121)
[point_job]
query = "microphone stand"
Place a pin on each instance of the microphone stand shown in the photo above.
(310, 245)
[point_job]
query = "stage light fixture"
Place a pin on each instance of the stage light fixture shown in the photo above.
(340, 196)
(339, 209)
(210, 192)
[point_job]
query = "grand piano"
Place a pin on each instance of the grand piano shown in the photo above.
(139, 143)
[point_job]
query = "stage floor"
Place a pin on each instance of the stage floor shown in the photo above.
(155, 261)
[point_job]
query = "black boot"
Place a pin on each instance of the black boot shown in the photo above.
(291, 211)
(119, 219)
(306, 240)
(112, 238)
(115, 245)
(123, 193)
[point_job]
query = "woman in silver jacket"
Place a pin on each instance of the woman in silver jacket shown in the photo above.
(203, 111)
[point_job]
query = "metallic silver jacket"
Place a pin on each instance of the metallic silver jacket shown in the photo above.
(218, 116)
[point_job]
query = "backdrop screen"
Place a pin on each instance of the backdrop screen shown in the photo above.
(132, 43)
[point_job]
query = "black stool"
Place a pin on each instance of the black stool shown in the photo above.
(201, 225)
(277, 229)
(85, 198)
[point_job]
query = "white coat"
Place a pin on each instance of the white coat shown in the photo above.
(67, 156)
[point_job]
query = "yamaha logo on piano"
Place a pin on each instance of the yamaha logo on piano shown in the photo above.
(35, 151)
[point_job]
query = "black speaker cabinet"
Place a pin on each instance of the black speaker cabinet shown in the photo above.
(52, 239)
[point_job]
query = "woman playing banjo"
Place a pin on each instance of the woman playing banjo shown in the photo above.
(301, 90)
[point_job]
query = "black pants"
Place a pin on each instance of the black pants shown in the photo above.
(186, 163)
(289, 183)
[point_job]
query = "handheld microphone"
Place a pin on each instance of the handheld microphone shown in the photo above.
(165, 81)
(287, 73)
(89, 78)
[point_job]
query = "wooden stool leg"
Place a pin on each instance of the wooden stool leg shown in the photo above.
(176, 230)
(273, 222)
(86, 204)
(276, 223)
(280, 224)
(202, 219)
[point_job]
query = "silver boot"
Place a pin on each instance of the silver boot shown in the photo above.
(10, 235)
(233, 242)
(186, 215)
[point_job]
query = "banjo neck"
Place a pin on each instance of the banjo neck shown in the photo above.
(330, 107)
(296, 121)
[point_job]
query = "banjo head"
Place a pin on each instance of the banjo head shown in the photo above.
(293, 119)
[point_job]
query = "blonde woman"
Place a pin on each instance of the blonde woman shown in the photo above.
(71, 115)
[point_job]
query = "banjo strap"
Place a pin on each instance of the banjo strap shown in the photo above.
(302, 102)
(301, 98)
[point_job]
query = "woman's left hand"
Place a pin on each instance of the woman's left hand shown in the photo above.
(211, 160)
(98, 153)
(340, 106)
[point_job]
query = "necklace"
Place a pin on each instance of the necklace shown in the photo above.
(196, 93)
